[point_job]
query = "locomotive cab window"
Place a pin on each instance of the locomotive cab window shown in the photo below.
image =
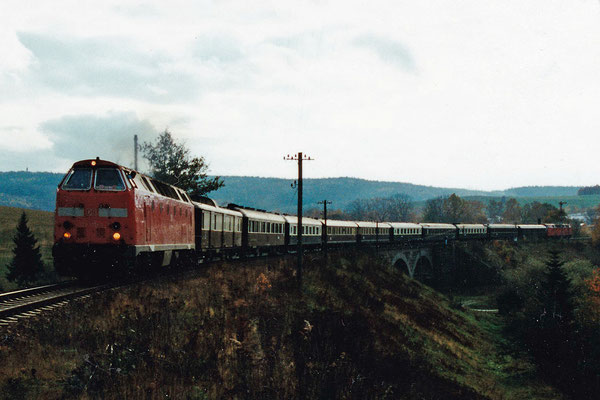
(109, 179)
(78, 179)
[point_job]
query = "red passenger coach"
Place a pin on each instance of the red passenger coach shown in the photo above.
(110, 219)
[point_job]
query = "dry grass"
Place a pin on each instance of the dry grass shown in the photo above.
(358, 330)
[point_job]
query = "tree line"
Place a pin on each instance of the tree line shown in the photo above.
(451, 209)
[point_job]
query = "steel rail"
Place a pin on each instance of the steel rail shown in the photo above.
(34, 302)
(34, 290)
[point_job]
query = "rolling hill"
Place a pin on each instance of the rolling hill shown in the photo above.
(36, 190)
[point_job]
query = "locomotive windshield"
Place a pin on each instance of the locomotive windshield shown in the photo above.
(109, 179)
(78, 179)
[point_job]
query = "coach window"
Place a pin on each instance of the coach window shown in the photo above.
(78, 179)
(205, 220)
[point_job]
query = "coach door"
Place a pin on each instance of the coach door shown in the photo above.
(148, 219)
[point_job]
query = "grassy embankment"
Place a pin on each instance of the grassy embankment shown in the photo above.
(359, 329)
(41, 224)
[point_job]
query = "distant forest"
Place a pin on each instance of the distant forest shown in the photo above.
(33, 190)
(589, 190)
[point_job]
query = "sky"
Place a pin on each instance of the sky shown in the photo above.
(464, 93)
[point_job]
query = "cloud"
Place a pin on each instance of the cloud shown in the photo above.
(107, 66)
(88, 136)
(35, 160)
(219, 48)
(388, 50)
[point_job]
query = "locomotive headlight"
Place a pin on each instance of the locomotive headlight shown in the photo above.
(67, 235)
(115, 226)
(67, 225)
(116, 236)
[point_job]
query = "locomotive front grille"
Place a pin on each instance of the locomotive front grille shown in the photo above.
(100, 232)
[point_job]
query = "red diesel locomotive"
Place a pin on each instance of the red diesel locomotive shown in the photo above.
(110, 218)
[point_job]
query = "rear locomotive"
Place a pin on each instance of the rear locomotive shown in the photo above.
(110, 220)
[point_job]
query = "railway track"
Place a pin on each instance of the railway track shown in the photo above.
(30, 302)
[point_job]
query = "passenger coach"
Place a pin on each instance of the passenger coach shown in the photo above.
(217, 229)
(311, 231)
(261, 231)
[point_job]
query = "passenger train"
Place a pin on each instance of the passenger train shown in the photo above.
(111, 219)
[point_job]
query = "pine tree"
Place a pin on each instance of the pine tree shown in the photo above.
(26, 264)
(556, 296)
(554, 337)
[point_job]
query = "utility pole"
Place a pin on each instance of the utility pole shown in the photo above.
(324, 202)
(561, 203)
(135, 151)
(299, 157)
(561, 213)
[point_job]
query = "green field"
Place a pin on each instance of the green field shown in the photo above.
(40, 222)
